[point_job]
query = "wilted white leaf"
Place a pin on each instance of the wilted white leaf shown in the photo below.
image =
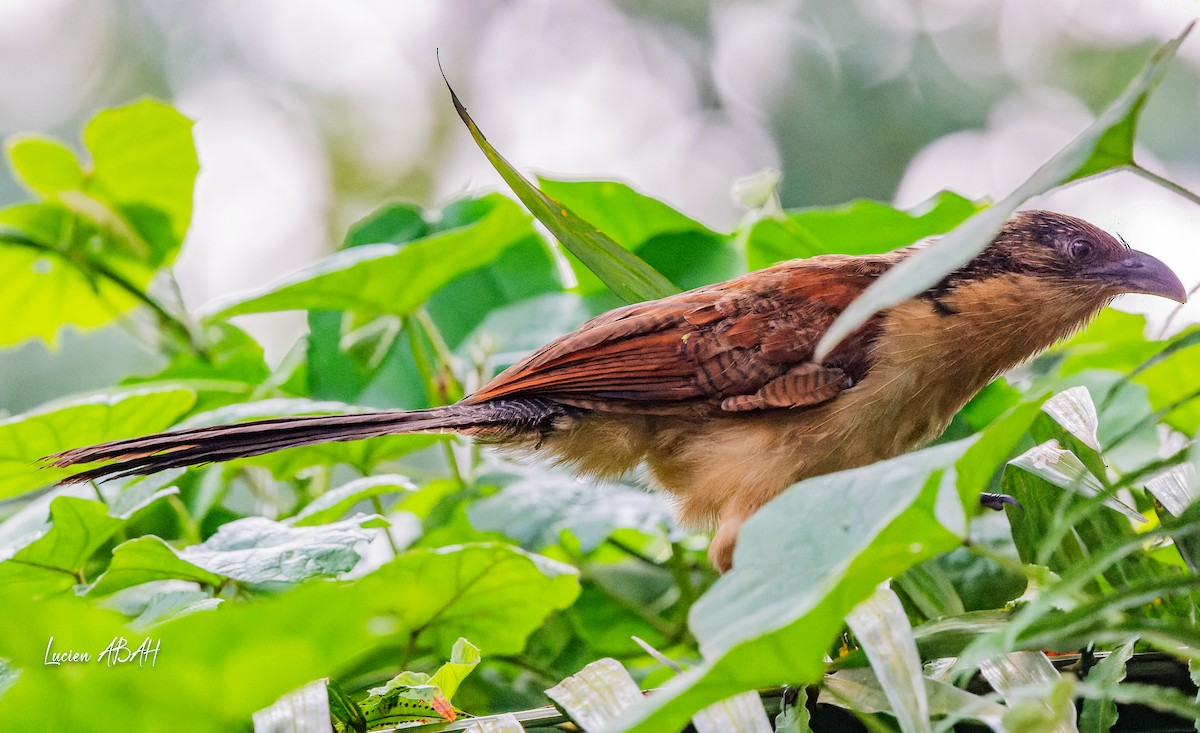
(1064, 469)
(1074, 410)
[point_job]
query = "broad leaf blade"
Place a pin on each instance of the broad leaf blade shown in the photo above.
(26, 438)
(859, 227)
(389, 279)
(772, 618)
(493, 594)
(144, 163)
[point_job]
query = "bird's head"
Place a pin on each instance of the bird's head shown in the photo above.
(1070, 255)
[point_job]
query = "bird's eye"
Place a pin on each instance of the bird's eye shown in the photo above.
(1081, 250)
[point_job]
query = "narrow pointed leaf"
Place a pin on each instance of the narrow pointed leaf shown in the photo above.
(1087, 154)
(882, 629)
(628, 277)
(1100, 714)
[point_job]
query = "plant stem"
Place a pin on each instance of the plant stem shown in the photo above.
(167, 318)
(435, 395)
(1171, 186)
(378, 505)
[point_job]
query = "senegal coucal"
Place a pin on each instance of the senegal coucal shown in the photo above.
(716, 390)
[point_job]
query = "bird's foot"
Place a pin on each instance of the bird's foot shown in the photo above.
(996, 502)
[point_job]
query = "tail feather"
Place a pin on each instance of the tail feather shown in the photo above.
(498, 419)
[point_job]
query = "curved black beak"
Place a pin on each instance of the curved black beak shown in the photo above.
(1138, 272)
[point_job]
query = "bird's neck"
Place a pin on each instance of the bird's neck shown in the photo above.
(931, 358)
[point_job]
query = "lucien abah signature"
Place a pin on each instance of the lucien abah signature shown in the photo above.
(119, 651)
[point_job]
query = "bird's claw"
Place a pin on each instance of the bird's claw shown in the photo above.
(996, 502)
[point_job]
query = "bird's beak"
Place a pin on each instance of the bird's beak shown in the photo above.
(1140, 273)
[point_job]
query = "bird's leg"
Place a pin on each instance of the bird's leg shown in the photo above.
(720, 550)
(996, 502)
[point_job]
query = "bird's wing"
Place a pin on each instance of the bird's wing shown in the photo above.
(708, 345)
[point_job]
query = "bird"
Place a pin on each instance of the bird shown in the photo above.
(717, 392)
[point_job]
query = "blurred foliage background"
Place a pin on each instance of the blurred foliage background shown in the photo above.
(336, 218)
(310, 113)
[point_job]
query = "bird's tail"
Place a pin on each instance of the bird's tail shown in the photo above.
(498, 419)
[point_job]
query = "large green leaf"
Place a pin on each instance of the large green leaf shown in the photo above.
(43, 289)
(627, 276)
(536, 509)
(55, 561)
(255, 551)
(369, 359)
(1085, 155)
(144, 163)
(138, 192)
(857, 228)
(796, 574)
(630, 218)
(685, 251)
(44, 165)
(335, 503)
(388, 279)
(492, 594)
(26, 438)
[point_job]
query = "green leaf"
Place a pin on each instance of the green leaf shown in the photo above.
(859, 227)
(772, 619)
(1174, 385)
(683, 250)
(493, 594)
(1115, 340)
(1062, 468)
(164, 606)
(55, 561)
(928, 587)
(255, 550)
(992, 450)
(464, 657)
(80, 421)
(627, 276)
(630, 218)
(344, 710)
(42, 290)
(44, 165)
(415, 696)
(1100, 714)
(392, 223)
(388, 279)
(144, 560)
(144, 162)
(1079, 158)
(536, 509)
(794, 717)
(363, 359)
(333, 504)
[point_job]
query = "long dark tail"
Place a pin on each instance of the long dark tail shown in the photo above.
(497, 419)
